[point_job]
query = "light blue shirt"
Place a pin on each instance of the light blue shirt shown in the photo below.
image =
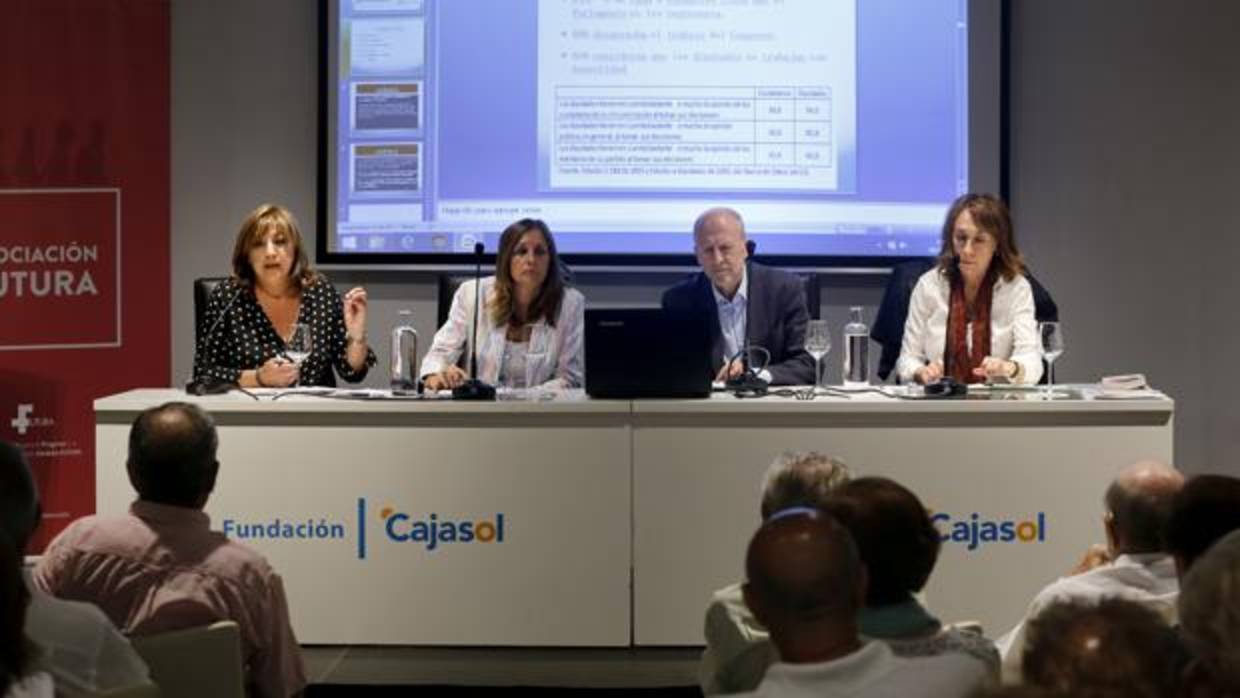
(732, 316)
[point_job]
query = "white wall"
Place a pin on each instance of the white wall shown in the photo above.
(1121, 160)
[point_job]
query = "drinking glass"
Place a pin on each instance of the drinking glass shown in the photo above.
(298, 347)
(817, 343)
(1050, 341)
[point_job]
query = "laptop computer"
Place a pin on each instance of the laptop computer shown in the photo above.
(646, 353)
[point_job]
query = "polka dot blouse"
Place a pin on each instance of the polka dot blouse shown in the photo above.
(245, 338)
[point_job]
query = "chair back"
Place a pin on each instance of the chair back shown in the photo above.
(813, 294)
(203, 287)
(888, 328)
(448, 284)
(203, 662)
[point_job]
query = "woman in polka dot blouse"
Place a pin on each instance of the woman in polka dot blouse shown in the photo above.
(273, 287)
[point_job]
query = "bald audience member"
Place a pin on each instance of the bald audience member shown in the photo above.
(1210, 620)
(738, 648)
(161, 567)
(763, 303)
(77, 645)
(1107, 647)
(1205, 510)
(806, 583)
(1136, 565)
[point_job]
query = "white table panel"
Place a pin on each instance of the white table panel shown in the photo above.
(698, 467)
(559, 474)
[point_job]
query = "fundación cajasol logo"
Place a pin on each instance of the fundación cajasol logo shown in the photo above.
(429, 531)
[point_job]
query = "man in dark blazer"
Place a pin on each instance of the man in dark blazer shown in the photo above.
(776, 309)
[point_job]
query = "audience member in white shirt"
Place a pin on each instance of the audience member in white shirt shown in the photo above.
(806, 583)
(738, 649)
(1134, 564)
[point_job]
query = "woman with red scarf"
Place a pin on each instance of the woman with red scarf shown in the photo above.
(971, 318)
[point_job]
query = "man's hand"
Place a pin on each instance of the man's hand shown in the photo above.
(729, 371)
(1097, 556)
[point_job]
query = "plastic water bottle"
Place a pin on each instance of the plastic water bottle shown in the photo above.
(856, 351)
(404, 353)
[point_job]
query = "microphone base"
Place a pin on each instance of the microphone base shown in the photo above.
(474, 389)
(208, 387)
(747, 385)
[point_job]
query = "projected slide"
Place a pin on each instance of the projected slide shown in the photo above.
(670, 100)
(836, 127)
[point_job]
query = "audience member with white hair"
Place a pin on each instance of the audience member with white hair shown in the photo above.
(738, 648)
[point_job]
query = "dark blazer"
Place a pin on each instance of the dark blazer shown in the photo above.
(777, 319)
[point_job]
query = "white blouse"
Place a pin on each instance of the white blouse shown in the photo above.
(1013, 325)
(554, 356)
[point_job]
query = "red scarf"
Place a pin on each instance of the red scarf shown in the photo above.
(958, 361)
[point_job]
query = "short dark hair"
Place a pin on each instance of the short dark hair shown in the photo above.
(1112, 646)
(172, 454)
(896, 538)
(1140, 516)
(19, 499)
(1203, 511)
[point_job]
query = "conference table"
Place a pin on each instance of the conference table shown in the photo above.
(576, 522)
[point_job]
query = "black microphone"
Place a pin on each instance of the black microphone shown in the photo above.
(474, 389)
(212, 386)
(747, 383)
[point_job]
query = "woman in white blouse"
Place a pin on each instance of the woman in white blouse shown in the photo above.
(971, 318)
(530, 323)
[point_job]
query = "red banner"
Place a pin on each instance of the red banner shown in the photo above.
(84, 212)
